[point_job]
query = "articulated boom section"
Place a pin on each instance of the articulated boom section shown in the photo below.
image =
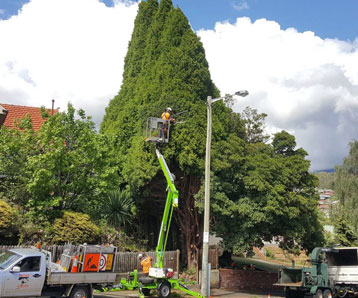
(171, 202)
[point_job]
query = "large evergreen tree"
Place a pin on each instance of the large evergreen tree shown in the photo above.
(165, 66)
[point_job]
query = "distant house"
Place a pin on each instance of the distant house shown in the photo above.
(326, 200)
(9, 114)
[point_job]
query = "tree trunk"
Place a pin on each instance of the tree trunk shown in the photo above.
(188, 218)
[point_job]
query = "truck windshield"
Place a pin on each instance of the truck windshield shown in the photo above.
(7, 258)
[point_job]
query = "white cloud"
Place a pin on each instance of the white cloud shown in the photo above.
(240, 5)
(69, 50)
(307, 85)
(73, 50)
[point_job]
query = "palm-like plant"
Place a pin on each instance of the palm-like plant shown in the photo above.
(118, 208)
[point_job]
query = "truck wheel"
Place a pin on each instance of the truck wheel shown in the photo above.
(164, 290)
(79, 292)
(319, 294)
(327, 294)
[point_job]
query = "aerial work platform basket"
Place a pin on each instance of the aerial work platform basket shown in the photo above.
(157, 130)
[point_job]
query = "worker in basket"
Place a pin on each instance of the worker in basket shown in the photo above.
(145, 262)
(166, 115)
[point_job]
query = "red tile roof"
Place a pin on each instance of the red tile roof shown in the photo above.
(18, 112)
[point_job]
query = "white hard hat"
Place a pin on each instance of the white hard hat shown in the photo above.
(169, 109)
(140, 256)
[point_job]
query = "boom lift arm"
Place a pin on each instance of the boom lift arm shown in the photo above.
(171, 203)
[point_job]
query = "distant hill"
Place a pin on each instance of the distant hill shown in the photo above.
(325, 171)
(326, 178)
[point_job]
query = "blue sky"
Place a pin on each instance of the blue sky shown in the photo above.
(327, 18)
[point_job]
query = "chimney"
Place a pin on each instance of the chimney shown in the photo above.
(3, 114)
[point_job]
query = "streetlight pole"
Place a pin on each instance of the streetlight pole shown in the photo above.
(205, 284)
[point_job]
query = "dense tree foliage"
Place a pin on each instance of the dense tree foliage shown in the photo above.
(70, 172)
(15, 149)
(346, 185)
(344, 235)
(261, 192)
(165, 66)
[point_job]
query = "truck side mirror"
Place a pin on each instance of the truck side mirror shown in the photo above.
(15, 269)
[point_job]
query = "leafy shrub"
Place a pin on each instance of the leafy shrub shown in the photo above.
(269, 253)
(32, 232)
(7, 215)
(8, 218)
(120, 239)
(76, 228)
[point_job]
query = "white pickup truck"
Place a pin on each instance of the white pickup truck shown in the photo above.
(29, 272)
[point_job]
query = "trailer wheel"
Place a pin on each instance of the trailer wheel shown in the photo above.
(319, 294)
(79, 292)
(327, 293)
(164, 290)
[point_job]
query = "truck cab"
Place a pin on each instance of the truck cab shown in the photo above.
(22, 273)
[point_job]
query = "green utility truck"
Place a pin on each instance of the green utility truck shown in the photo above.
(333, 272)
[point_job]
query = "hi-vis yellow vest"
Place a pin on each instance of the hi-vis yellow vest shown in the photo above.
(146, 264)
(165, 116)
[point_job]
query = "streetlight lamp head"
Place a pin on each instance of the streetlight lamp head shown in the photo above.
(242, 93)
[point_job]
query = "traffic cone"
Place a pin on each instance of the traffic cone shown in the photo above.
(75, 265)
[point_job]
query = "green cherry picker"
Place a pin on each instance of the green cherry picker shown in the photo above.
(159, 278)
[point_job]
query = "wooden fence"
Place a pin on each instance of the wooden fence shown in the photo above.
(128, 261)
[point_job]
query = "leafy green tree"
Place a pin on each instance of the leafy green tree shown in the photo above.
(16, 146)
(255, 125)
(346, 185)
(70, 172)
(284, 143)
(75, 227)
(343, 235)
(260, 193)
